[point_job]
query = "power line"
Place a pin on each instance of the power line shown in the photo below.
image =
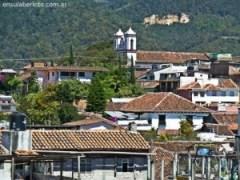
(54, 57)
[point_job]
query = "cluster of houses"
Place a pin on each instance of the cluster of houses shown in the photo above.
(199, 87)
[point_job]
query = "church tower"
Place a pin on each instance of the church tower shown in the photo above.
(126, 43)
(131, 45)
(119, 43)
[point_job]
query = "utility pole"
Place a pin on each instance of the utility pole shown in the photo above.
(237, 143)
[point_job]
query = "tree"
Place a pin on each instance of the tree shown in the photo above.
(67, 112)
(186, 129)
(33, 85)
(40, 107)
(132, 72)
(71, 58)
(70, 90)
(96, 100)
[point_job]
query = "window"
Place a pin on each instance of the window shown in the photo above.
(81, 74)
(202, 94)
(1, 165)
(214, 93)
(6, 108)
(231, 93)
(195, 93)
(67, 73)
(162, 120)
(125, 165)
(53, 73)
(85, 165)
(223, 93)
(131, 44)
(189, 118)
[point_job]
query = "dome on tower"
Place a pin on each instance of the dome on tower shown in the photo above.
(130, 32)
(119, 33)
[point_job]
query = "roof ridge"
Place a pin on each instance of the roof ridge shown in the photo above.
(161, 101)
(182, 52)
(187, 100)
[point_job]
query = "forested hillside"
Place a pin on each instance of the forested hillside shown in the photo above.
(47, 32)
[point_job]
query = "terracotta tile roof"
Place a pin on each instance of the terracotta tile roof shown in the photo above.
(3, 150)
(168, 132)
(69, 68)
(191, 85)
(223, 84)
(140, 73)
(107, 140)
(162, 102)
(168, 57)
(227, 83)
(167, 156)
(114, 106)
(229, 119)
(210, 87)
(220, 129)
(148, 84)
(89, 121)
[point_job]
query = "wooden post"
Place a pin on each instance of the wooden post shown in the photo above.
(12, 168)
(79, 168)
(219, 168)
(72, 170)
(31, 171)
(149, 167)
(61, 169)
(208, 168)
(162, 169)
(193, 170)
(175, 167)
(203, 167)
(189, 165)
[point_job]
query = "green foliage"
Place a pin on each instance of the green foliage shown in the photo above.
(41, 108)
(67, 112)
(70, 90)
(96, 100)
(117, 83)
(186, 129)
(150, 135)
(11, 84)
(33, 86)
(83, 23)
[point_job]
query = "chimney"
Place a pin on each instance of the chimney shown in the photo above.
(132, 126)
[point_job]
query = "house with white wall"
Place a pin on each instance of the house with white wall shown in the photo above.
(50, 73)
(163, 112)
(7, 104)
(78, 154)
(201, 89)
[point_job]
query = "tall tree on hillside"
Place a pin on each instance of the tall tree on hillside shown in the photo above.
(71, 57)
(96, 100)
(132, 72)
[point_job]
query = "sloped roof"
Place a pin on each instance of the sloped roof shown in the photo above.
(229, 119)
(89, 121)
(148, 84)
(114, 106)
(168, 57)
(220, 129)
(107, 140)
(162, 102)
(68, 68)
(223, 84)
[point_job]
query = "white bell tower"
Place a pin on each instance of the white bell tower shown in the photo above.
(119, 43)
(131, 45)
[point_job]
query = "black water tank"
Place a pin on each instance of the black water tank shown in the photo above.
(18, 121)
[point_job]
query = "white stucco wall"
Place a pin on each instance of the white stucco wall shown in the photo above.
(5, 173)
(218, 98)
